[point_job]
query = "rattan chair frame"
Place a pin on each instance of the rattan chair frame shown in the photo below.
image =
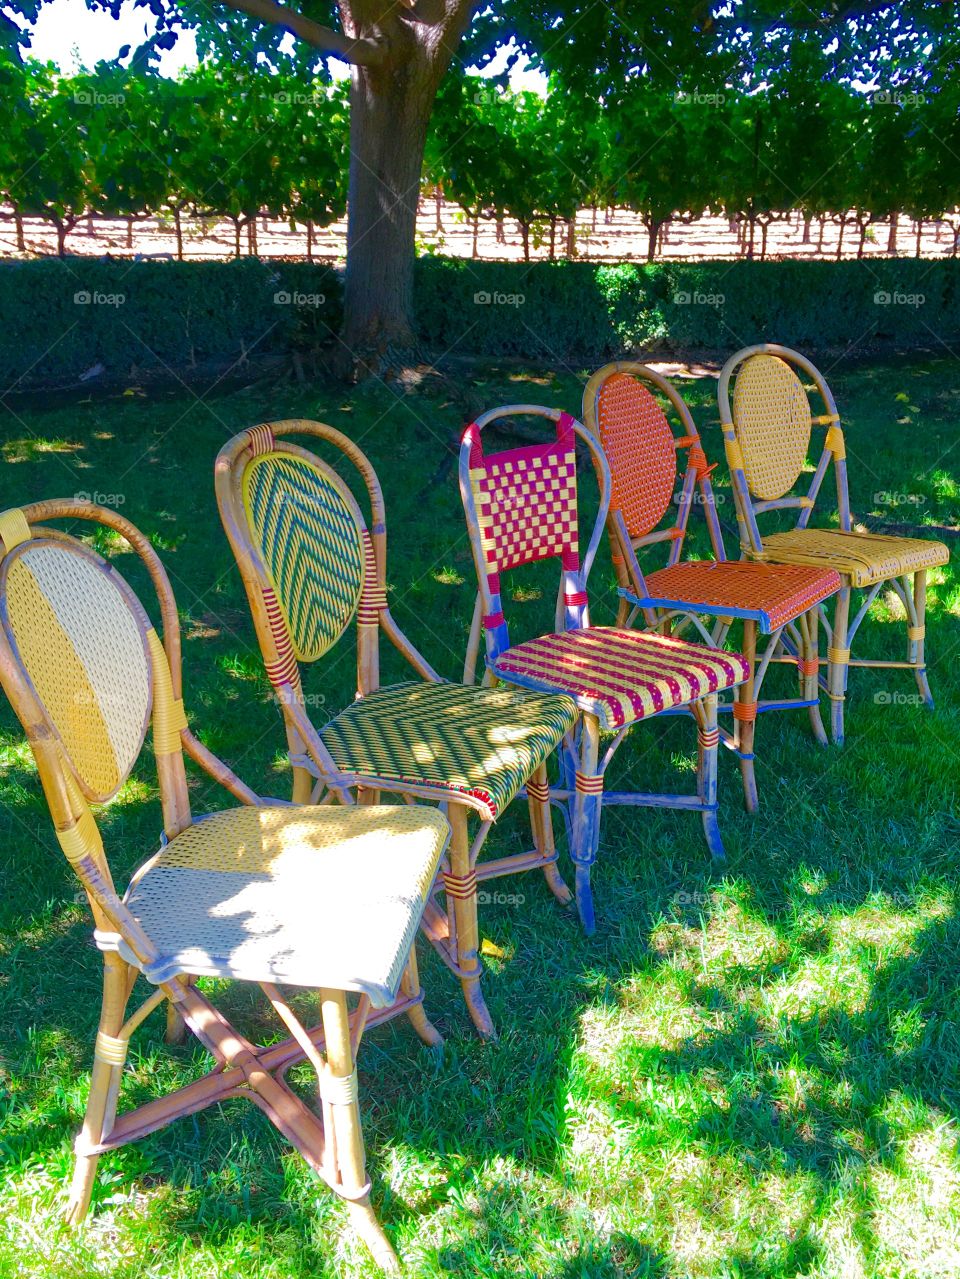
(452, 931)
(583, 763)
(674, 615)
(331, 1142)
(910, 588)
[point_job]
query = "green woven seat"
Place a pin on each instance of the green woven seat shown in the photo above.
(482, 743)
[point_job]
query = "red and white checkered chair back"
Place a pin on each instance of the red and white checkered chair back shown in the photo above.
(521, 507)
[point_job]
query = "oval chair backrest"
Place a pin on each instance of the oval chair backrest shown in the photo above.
(772, 423)
(81, 636)
(640, 449)
(309, 531)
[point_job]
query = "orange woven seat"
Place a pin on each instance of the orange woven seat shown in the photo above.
(618, 675)
(732, 588)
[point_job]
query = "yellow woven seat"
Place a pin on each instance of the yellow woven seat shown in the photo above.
(258, 894)
(863, 557)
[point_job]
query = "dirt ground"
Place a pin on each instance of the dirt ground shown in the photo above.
(615, 235)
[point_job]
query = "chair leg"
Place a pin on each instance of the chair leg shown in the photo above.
(586, 819)
(541, 822)
(745, 714)
(340, 1096)
(810, 672)
(915, 643)
(108, 1059)
(410, 985)
(708, 742)
(461, 889)
(839, 657)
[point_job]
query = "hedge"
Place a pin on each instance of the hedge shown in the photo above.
(61, 319)
(557, 311)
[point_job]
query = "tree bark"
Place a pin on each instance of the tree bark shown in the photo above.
(919, 234)
(476, 234)
(178, 228)
(807, 219)
(18, 223)
(572, 237)
(309, 239)
(843, 225)
(525, 235)
(892, 234)
(553, 239)
(438, 204)
(129, 233)
(390, 108)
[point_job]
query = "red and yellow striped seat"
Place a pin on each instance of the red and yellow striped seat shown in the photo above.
(618, 675)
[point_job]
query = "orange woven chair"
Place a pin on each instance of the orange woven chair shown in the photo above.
(310, 566)
(268, 893)
(621, 405)
(521, 506)
(767, 433)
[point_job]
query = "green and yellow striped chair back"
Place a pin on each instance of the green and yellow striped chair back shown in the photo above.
(772, 422)
(307, 528)
(83, 640)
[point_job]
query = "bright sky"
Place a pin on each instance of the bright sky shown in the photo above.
(73, 36)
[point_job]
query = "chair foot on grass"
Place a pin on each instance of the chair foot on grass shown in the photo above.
(364, 1221)
(585, 900)
(557, 884)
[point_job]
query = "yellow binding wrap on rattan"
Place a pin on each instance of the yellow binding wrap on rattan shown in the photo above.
(734, 454)
(109, 1049)
(916, 632)
(338, 1090)
(14, 529)
(838, 656)
(834, 442)
(169, 717)
(81, 840)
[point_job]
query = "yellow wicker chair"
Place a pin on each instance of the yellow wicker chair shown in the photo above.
(767, 430)
(269, 893)
(310, 564)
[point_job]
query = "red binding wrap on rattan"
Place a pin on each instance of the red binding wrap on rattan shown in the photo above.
(471, 435)
(538, 791)
(696, 458)
(285, 669)
(589, 785)
(710, 740)
(261, 440)
(460, 887)
(808, 665)
(373, 598)
(746, 712)
(566, 438)
(575, 599)
(492, 620)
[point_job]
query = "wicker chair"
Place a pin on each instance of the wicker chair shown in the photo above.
(767, 431)
(310, 564)
(521, 506)
(621, 406)
(268, 893)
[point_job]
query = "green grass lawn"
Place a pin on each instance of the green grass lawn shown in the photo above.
(749, 1071)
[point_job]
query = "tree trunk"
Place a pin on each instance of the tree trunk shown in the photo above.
(91, 229)
(390, 109)
(252, 246)
(892, 234)
(501, 231)
(572, 237)
(438, 204)
(476, 235)
(862, 241)
(18, 223)
(764, 228)
(807, 220)
(593, 220)
(553, 238)
(919, 235)
(129, 233)
(309, 239)
(843, 225)
(178, 228)
(236, 236)
(653, 230)
(525, 235)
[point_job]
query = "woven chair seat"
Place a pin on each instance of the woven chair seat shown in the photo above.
(771, 595)
(620, 675)
(310, 896)
(866, 558)
(479, 743)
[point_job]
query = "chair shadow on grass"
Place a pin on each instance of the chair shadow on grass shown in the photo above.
(491, 1103)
